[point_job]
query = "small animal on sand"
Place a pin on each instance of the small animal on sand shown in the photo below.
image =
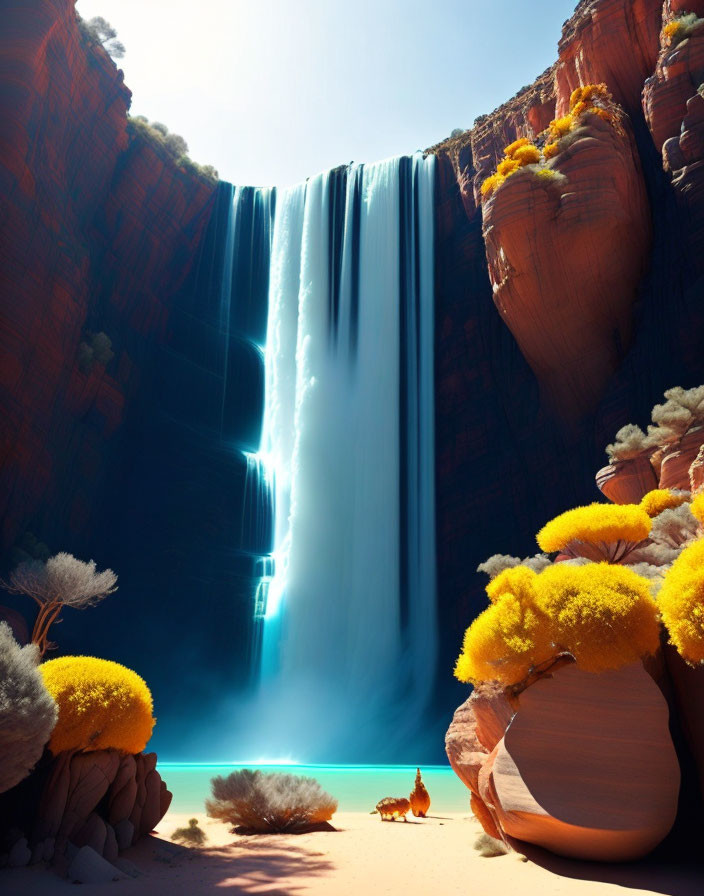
(392, 807)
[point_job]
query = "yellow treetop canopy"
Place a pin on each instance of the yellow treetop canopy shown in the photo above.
(603, 615)
(595, 524)
(681, 601)
(503, 643)
(697, 507)
(102, 705)
(660, 499)
(518, 581)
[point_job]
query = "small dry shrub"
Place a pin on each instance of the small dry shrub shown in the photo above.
(488, 847)
(269, 802)
(193, 835)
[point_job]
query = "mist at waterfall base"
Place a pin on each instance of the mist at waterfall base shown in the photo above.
(346, 608)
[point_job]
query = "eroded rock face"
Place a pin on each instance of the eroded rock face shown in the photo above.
(678, 458)
(476, 728)
(585, 767)
(103, 800)
(626, 482)
(565, 257)
(98, 233)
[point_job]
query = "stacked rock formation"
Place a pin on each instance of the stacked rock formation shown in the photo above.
(104, 799)
(580, 764)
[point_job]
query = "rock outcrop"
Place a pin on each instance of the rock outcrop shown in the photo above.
(584, 767)
(556, 246)
(104, 800)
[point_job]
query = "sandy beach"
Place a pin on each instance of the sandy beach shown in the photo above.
(363, 855)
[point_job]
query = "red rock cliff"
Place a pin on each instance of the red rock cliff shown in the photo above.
(598, 279)
(96, 227)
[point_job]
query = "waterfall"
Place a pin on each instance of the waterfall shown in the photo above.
(348, 654)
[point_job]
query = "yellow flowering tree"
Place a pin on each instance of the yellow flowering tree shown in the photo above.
(681, 602)
(660, 499)
(598, 532)
(592, 99)
(102, 705)
(603, 615)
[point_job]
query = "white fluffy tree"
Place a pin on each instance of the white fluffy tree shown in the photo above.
(27, 710)
(61, 581)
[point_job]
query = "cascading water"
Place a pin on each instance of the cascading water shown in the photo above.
(348, 655)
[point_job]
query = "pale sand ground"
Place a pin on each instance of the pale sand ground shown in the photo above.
(363, 856)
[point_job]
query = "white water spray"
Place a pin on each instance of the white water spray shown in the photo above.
(349, 641)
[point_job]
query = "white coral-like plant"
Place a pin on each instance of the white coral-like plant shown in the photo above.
(497, 563)
(269, 802)
(28, 712)
(630, 442)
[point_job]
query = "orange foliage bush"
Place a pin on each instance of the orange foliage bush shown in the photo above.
(660, 499)
(597, 531)
(603, 615)
(102, 705)
(681, 602)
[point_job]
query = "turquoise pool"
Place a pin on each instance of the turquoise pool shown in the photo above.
(356, 787)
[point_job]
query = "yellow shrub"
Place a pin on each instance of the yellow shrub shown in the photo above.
(674, 32)
(507, 166)
(102, 705)
(517, 144)
(681, 601)
(527, 155)
(561, 126)
(547, 173)
(697, 507)
(660, 499)
(603, 615)
(490, 184)
(503, 643)
(592, 98)
(598, 525)
(518, 581)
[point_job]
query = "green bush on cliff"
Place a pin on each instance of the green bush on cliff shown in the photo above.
(100, 32)
(174, 144)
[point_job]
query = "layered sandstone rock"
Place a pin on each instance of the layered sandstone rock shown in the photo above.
(585, 767)
(104, 799)
(611, 41)
(98, 232)
(477, 727)
(678, 458)
(688, 686)
(557, 247)
(626, 482)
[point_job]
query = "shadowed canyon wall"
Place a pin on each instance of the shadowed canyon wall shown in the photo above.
(520, 433)
(139, 462)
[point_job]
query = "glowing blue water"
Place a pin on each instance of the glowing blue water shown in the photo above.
(356, 788)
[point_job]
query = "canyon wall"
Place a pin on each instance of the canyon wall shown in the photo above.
(532, 286)
(123, 461)
(116, 458)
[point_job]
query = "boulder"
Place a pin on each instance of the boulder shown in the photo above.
(587, 768)
(688, 685)
(101, 799)
(627, 481)
(679, 457)
(20, 854)
(569, 309)
(696, 473)
(88, 867)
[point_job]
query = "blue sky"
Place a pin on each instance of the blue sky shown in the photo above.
(271, 91)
